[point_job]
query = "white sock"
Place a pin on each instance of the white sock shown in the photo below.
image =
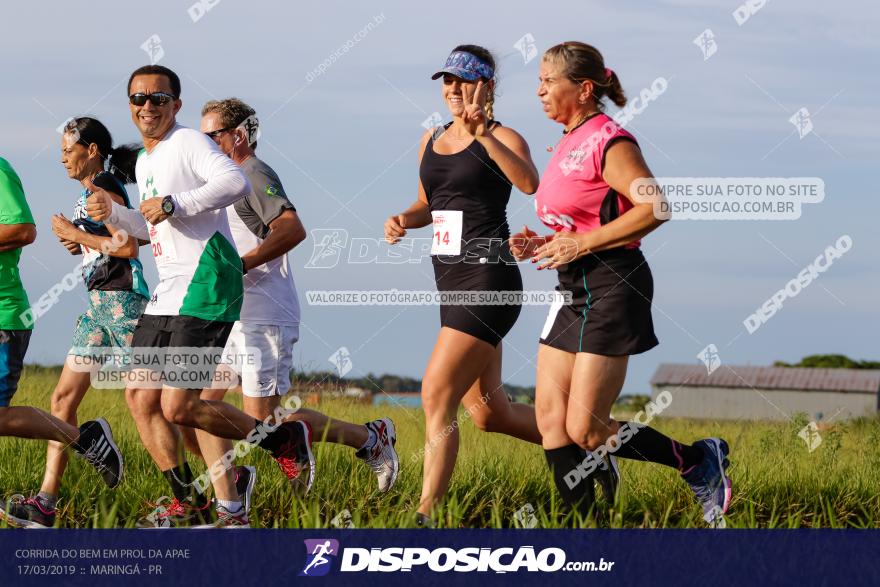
(233, 507)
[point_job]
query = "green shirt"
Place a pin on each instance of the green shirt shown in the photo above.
(13, 210)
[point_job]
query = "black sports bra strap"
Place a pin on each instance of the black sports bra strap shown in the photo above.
(439, 130)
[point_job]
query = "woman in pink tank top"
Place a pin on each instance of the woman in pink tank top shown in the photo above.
(584, 196)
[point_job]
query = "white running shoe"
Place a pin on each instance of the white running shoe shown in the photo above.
(381, 456)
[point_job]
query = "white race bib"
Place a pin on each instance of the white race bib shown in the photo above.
(447, 232)
(162, 244)
(89, 255)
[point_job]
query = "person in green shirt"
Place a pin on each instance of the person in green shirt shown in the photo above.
(93, 440)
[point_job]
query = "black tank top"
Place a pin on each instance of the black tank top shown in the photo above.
(472, 182)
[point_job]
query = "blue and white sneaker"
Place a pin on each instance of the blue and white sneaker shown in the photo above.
(709, 480)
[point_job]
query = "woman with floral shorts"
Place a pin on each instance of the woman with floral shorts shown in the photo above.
(118, 294)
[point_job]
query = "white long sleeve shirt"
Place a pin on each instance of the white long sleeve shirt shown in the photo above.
(200, 272)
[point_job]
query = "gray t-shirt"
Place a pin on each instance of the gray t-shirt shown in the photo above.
(267, 200)
(269, 291)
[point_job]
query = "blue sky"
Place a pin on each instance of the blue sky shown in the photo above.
(351, 136)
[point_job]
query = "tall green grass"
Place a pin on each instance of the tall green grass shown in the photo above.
(777, 482)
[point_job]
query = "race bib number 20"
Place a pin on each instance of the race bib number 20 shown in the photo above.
(447, 232)
(161, 243)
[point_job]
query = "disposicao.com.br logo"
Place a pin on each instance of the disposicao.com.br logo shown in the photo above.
(441, 560)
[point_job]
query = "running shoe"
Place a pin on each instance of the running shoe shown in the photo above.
(608, 476)
(27, 512)
(587, 507)
(423, 521)
(295, 456)
(245, 479)
(227, 519)
(709, 480)
(96, 445)
(381, 456)
(175, 514)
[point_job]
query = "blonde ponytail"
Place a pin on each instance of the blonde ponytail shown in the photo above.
(490, 103)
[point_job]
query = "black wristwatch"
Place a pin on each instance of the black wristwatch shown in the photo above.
(168, 205)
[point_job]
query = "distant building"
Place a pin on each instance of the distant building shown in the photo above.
(767, 393)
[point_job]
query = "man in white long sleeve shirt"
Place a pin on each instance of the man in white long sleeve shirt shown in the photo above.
(185, 184)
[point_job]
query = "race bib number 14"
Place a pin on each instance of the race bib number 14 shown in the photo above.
(447, 232)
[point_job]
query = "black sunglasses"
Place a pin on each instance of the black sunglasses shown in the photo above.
(216, 133)
(157, 98)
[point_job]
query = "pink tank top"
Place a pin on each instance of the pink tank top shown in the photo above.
(572, 194)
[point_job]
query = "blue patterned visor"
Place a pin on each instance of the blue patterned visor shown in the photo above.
(467, 66)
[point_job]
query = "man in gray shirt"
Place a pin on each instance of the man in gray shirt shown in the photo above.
(265, 226)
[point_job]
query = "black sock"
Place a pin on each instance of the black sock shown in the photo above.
(568, 462)
(647, 444)
(275, 439)
(180, 478)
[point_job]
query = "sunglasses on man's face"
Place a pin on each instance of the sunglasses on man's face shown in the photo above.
(216, 133)
(157, 99)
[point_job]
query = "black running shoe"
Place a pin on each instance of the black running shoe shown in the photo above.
(27, 512)
(295, 456)
(608, 477)
(245, 479)
(96, 445)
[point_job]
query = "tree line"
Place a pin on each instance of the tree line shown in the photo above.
(830, 362)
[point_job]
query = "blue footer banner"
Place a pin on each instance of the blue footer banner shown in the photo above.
(439, 557)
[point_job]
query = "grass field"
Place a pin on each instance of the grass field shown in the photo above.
(777, 483)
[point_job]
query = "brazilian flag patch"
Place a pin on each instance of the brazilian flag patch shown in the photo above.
(271, 190)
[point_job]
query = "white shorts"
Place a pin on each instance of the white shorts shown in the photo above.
(262, 355)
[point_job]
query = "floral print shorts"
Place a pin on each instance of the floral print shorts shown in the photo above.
(109, 321)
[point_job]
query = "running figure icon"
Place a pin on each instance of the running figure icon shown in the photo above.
(318, 558)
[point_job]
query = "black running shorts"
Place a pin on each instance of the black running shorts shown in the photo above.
(489, 323)
(610, 313)
(179, 331)
(181, 351)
